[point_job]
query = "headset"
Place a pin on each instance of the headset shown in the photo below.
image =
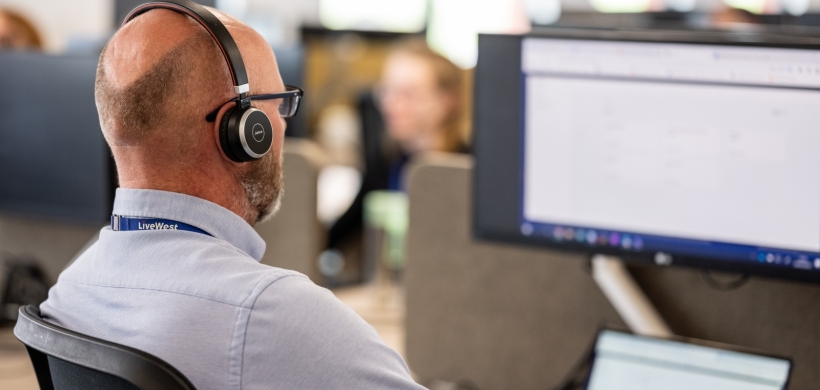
(245, 133)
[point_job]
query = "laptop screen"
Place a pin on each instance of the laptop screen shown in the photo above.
(625, 361)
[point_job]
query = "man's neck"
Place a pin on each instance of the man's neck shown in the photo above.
(214, 185)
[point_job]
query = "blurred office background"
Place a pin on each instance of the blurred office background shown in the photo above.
(336, 50)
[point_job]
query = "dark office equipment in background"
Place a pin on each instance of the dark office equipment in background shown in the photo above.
(64, 359)
(291, 62)
(628, 20)
(498, 185)
(376, 170)
(22, 282)
(373, 35)
(358, 246)
(123, 7)
(806, 24)
(54, 162)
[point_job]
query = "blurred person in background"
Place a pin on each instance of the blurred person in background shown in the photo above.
(18, 33)
(420, 97)
(420, 105)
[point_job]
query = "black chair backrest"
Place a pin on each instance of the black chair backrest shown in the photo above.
(64, 359)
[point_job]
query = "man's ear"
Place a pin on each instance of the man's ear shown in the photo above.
(217, 124)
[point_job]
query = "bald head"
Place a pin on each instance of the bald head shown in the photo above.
(162, 70)
(157, 79)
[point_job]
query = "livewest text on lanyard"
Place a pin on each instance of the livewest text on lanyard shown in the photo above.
(121, 224)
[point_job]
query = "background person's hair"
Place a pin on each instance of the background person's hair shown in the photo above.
(450, 79)
(23, 28)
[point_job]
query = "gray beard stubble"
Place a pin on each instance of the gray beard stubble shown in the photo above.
(264, 186)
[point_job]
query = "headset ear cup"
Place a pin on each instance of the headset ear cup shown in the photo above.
(245, 134)
(223, 135)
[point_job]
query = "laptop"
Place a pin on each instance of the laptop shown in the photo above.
(622, 361)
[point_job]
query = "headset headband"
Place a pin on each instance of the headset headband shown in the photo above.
(214, 27)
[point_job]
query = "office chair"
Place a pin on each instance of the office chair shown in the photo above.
(64, 359)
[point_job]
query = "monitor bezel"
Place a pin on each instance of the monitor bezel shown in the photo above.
(686, 340)
(482, 230)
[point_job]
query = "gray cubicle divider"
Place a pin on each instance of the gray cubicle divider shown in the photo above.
(506, 317)
(294, 236)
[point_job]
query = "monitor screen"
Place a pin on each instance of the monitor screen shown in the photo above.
(623, 361)
(54, 162)
(675, 152)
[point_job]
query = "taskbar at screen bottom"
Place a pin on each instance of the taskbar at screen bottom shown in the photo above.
(663, 247)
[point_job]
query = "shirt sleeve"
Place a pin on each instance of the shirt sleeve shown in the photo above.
(300, 336)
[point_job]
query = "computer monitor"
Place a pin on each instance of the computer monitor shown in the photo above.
(54, 162)
(623, 361)
(675, 148)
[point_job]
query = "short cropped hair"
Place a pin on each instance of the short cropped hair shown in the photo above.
(174, 95)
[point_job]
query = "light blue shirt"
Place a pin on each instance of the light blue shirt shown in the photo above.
(205, 305)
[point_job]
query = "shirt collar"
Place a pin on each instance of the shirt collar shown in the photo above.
(208, 216)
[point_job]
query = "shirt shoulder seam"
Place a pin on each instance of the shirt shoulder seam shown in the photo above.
(247, 321)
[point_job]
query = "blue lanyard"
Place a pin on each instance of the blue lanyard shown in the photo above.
(121, 224)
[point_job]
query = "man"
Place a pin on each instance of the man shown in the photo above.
(202, 302)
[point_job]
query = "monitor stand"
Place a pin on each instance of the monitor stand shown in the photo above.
(627, 297)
